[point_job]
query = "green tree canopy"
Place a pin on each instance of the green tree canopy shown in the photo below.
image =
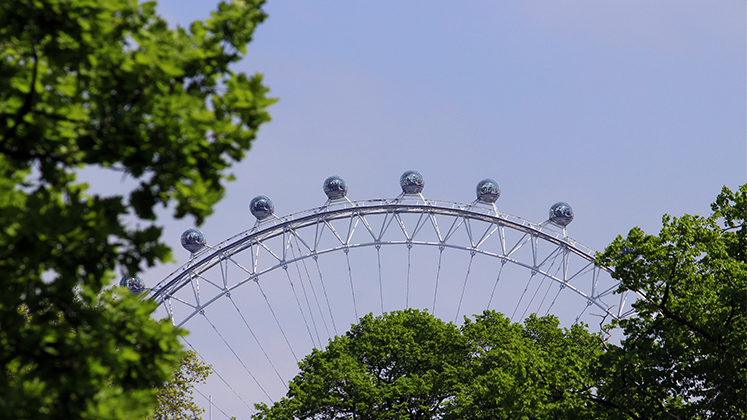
(683, 355)
(108, 85)
(411, 365)
(685, 352)
(175, 398)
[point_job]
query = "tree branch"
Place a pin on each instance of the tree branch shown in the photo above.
(666, 312)
(56, 157)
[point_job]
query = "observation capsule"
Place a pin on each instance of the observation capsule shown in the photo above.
(412, 182)
(193, 240)
(261, 207)
(135, 284)
(561, 214)
(488, 191)
(335, 188)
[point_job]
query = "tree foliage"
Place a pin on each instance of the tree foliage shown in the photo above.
(685, 352)
(411, 365)
(683, 355)
(175, 398)
(532, 371)
(105, 84)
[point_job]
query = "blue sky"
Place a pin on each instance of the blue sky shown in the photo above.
(626, 110)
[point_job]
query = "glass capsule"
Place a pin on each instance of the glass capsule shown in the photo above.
(193, 240)
(412, 182)
(261, 207)
(561, 214)
(488, 191)
(335, 188)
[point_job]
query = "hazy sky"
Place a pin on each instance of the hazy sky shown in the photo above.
(625, 109)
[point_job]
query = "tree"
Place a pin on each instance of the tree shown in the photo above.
(175, 398)
(403, 364)
(532, 371)
(683, 356)
(685, 352)
(106, 84)
(411, 365)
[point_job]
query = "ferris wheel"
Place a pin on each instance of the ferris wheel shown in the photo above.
(256, 303)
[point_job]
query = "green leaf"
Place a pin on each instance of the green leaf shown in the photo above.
(91, 84)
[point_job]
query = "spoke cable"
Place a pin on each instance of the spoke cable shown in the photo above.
(381, 285)
(588, 303)
(350, 275)
(212, 403)
(324, 289)
(258, 342)
(464, 287)
(305, 295)
(407, 293)
(438, 275)
(544, 277)
(311, 284)
(534, 272)
(238, 358)
(557, 270)
(495, 286)
(276, 319)
(218, 374)
(560, 289)
(298, 303)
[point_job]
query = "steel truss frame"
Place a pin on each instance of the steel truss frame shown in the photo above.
(307, 227)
